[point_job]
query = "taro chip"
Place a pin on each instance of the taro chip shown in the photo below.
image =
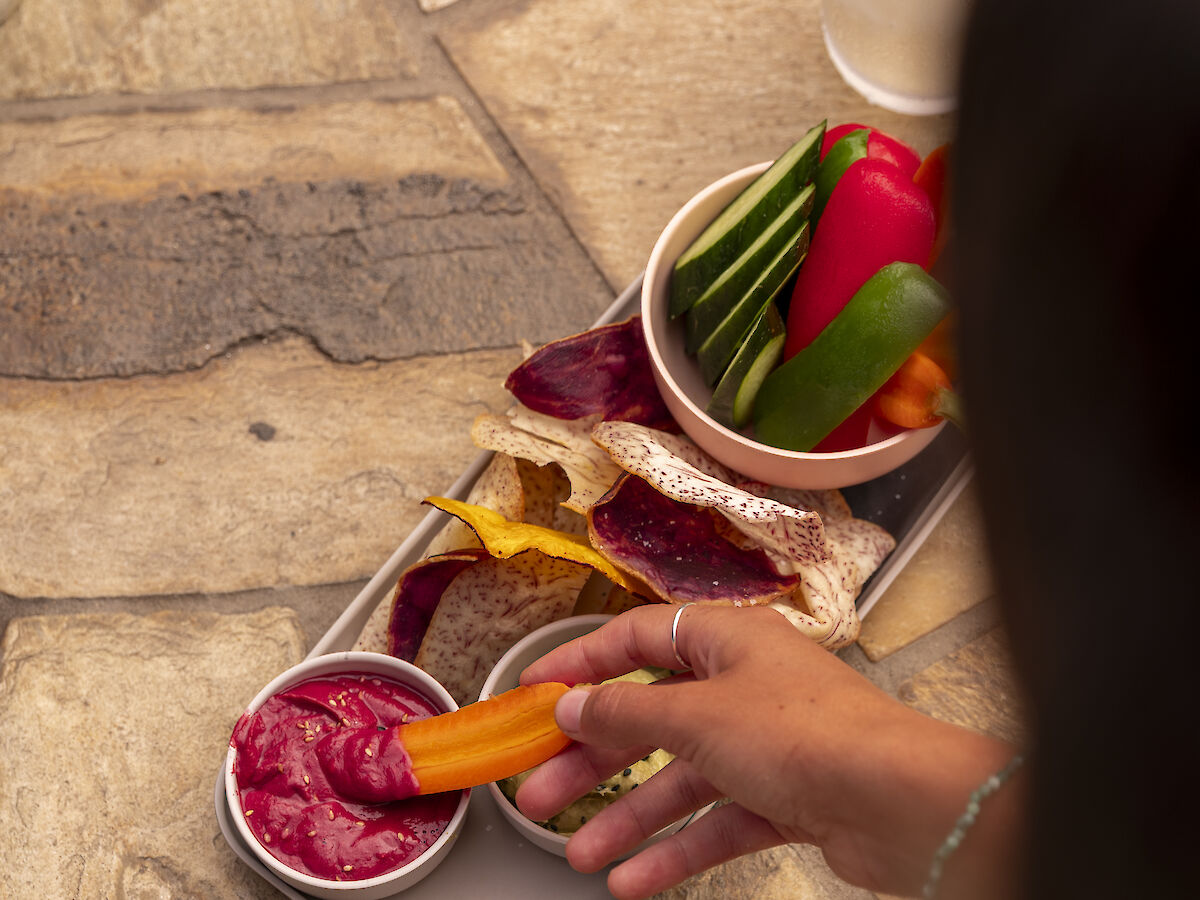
(791, 537)
(602, 372)
(487, 608)
(545, 440)
(417, 594)
(601, 597)
(824, 605)
(679, 550)
(505, 539)
(546, 488)
(829, 503)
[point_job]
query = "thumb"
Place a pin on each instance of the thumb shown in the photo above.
(625, 714)
(569, 710)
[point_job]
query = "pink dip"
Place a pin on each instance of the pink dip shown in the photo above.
(296, 778)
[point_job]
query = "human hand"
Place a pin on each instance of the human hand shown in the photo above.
(805, 748)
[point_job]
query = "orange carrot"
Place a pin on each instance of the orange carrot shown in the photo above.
(918, 395)
(485, 741)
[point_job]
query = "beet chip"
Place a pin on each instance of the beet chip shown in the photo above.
(417, 595)
(679, 549)
(604, 371)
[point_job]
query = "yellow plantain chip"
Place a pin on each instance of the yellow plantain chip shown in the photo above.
(505, 539)
(499, 487)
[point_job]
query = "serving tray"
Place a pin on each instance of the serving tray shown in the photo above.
(908, 502)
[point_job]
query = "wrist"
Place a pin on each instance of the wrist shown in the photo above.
(928, 773)
(981, 858)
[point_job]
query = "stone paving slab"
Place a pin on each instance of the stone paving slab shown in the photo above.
(624, 109)
(51, 49)
(975, 687)
(156, 241)
(115, 728)
(789, 872)
(268, 467)
(948, 575)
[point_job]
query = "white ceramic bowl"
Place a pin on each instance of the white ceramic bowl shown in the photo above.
(390, 883)
(505, 676)
(686, 395)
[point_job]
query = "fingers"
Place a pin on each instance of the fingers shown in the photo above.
(676, 717)
(560, 781)
(674, 792)
(637, 638)
(725, 833)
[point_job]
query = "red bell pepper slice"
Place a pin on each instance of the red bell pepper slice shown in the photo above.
(875, 216)
(879, 146)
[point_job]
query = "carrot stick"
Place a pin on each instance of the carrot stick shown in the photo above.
(485, 741)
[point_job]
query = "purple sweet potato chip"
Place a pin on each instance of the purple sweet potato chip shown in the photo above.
(604, 371)
(679, 550)
(417, 595)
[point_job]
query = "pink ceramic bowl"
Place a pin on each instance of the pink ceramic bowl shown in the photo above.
(686, 395)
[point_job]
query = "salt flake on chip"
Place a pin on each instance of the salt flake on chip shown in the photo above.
(791, 537)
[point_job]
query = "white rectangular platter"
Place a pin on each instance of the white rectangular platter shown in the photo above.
(489, 855)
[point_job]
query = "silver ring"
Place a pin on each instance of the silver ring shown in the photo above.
(683, 663)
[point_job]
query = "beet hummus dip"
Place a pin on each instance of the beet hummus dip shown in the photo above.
(294, 776)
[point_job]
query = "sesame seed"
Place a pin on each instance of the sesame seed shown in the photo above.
(361, 824)
(312, 834)
(306, 781)
(331, 815)
(347, 868)
(266, 838)
(249, 813)
(309, 738)
(369, 753)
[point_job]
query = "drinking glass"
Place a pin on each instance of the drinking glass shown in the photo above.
(900, 54)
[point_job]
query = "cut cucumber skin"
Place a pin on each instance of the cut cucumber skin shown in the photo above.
(814, 391)
(848, 149)
(740, 222)
(722, 295)
(733, 399)
(720, 346)
(768, 359)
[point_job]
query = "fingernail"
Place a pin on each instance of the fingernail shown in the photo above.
(569, 709)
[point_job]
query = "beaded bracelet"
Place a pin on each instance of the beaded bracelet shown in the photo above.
(965, 821)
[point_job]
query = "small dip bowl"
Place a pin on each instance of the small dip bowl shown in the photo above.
(386, 884)
(683, 389)
(505, 676)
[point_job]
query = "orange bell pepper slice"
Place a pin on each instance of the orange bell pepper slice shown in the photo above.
(933, 177)
(485, 741)
(918, 395)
